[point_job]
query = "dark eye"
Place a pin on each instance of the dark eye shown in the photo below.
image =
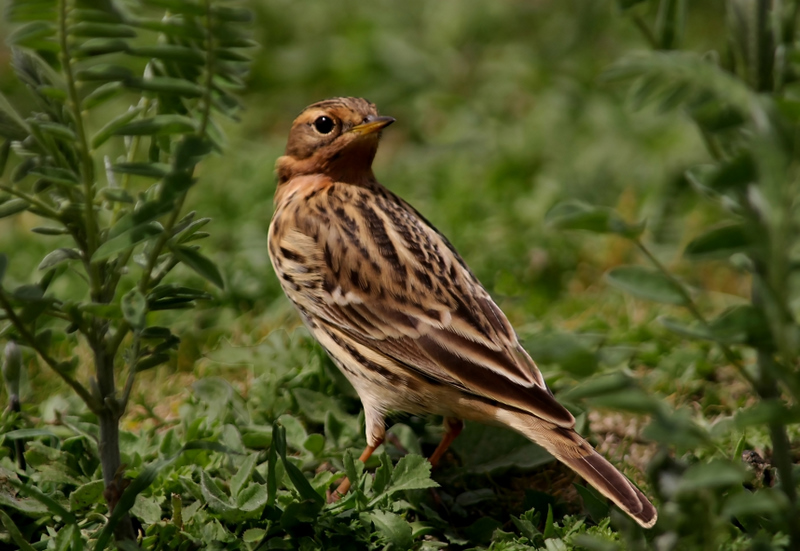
(324, 125)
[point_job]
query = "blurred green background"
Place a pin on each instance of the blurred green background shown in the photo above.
(501, 113)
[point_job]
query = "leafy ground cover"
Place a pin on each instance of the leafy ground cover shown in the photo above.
(502, 114)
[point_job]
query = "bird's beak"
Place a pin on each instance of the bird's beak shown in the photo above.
(371, 124)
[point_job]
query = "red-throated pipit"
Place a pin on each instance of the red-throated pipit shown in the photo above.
(396, 307)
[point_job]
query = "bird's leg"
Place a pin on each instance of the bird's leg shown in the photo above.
(452, 428)
(344, 487)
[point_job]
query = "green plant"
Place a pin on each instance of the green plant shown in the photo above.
(112, 194)
(743, 103)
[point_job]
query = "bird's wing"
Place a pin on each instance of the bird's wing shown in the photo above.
(366, 263)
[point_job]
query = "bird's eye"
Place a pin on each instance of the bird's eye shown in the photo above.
(324, 125)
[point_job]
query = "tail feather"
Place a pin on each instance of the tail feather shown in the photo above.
(570, 448)
(614, 485)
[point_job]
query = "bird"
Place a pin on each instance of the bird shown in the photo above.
(398, 310)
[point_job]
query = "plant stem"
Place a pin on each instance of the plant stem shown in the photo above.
(87, 166)
(692, 307)
(206, 115)
(30, 339)
(32, 200)
(781, 451)
(646, 32)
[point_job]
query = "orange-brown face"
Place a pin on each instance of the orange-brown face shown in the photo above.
(337, 137)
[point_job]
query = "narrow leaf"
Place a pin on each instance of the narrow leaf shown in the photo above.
(720, 242)
(200, 264)
(647, 284)
(112, 126)
(158, 126)
(137, 234)
(58, 256)
(134, 308)
(14, 532)
(12, 207)
(166, 85)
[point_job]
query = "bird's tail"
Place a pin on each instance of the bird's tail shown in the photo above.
(570, 448)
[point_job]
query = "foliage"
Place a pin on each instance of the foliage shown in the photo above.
(501, 114)
(126, 236)
(744, 110)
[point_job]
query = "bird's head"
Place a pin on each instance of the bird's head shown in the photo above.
(337, 137)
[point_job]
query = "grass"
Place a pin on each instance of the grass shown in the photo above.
(501, 113)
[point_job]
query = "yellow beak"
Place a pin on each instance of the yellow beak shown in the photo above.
(372, 124)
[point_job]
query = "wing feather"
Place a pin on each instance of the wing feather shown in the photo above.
(419, 305)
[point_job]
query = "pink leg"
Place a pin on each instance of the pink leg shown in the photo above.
(452, 428)
(344, 487)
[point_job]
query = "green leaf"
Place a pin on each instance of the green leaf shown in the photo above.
(36, 35)
(159, 125)
(634, 400)
(5, 150)
(86, 495)
(314, 443)
(125, 241)
(104, 73)
(598, 386)
(393, 528)
(59, 131)
(3, 265)
(743, 324)
(58, 256)
(117, 195)
(135, 227)
(112, 126)
(142, 482)
(566, 350)
(647, 284)
(490, 450)
(151, 361)
(190, 150)
(765, 412)
(300, 482)
(101, 94)
(352, 471)
(720, 242)
(12, 126)
(45, 230)
(102, 30)
(52, 505)
(151, 170)
(107, 311)
(243, 475)
(715, 474)
(12, 207)
(199, 263)
(176, 183)
(134, 308)
(576, 215)
(28, 293)
(56, 175)
(100, 46)
(14, 532)
(253, 535)
(766, 502)
(593, 501)
(383, 474)
(146, 509)
(166, 85)
(171, 52)
(735, 174)
(412, 472)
